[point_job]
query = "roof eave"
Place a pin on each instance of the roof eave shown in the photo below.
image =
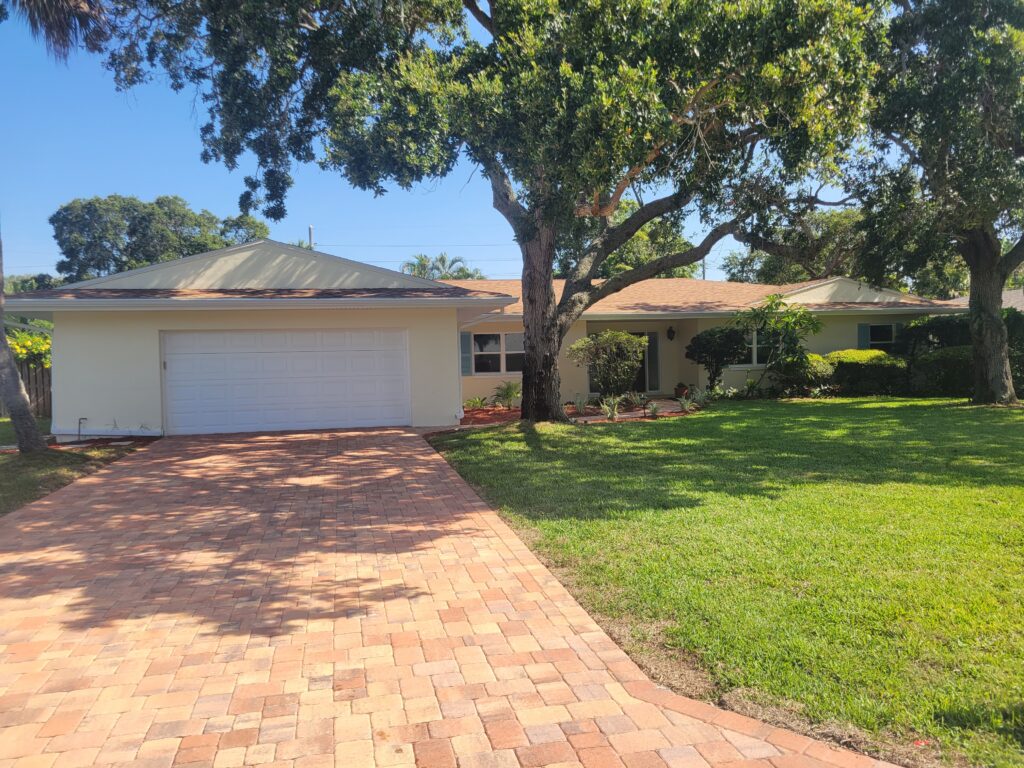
(128, 305)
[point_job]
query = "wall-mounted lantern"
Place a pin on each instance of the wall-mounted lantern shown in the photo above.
(671, 333)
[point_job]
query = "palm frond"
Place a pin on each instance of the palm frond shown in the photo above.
(63, 24)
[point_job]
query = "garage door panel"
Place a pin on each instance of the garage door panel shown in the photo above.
(226, 381)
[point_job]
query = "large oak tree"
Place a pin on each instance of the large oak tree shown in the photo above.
(566, 107)
(950, 118)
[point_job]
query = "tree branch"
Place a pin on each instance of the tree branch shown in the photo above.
(576, 298)
(1013, 258)
(615, 237)
(477, 12)
(503, 194)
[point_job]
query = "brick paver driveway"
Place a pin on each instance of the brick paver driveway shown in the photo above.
(318, 599)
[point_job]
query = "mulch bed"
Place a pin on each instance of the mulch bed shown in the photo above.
(475, 417)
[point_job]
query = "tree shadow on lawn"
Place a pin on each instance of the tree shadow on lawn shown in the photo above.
(1006, 722)
(742, 449)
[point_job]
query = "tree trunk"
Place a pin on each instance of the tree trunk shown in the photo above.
(992, 380)
(541, 383)
(12, 390)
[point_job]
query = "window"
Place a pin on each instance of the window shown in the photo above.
(759, 350)
(498, 352)
(881, 337)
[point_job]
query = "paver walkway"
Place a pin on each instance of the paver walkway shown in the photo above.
(318, 600)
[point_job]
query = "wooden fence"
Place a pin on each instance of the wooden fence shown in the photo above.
(37, 384)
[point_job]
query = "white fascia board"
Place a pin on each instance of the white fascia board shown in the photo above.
(129, 305)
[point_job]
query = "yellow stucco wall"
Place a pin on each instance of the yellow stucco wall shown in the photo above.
(107, 366)
(838, 332)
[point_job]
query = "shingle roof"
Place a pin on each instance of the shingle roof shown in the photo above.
(1012, 298)
(683, 295)
(128, 294)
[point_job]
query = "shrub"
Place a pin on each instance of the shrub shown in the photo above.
(612, 357)
(610, 406)
(716, 348)
(507, 393)
(475, 402)
(636, 400)
(801, 376)
(31, 348)
(580, 404)
(867, 372)
(654, 409)
(947, 371)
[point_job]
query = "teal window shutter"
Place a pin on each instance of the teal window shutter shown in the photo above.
(653, 371)
(863, 336)
(466, 352)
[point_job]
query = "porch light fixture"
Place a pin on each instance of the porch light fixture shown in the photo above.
(671, 333)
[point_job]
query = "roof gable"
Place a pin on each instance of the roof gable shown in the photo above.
(261, 265)
(844, 290)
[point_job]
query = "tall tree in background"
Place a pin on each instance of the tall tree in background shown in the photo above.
(658, 238)
(821, 243)
(951, 108)
(63, 25)
(103, 235)
(563, 106)
(441, 267)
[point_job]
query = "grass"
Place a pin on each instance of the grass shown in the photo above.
(7, 431)
(25, 478)
(852, 561)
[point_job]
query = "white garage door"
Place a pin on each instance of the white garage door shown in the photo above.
(251, 381)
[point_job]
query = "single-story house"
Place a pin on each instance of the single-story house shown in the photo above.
(268, 336)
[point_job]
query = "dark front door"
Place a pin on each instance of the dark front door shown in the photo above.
(640, 382)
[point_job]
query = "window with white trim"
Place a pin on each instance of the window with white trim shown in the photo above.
(882, 336)
(498, 352)
(758, 350)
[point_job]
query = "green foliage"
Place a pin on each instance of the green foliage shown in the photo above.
(441, 267)
(867, 372)
(636, 400)
(580, 404)
(653, 409)
(947, 371)
(828, 243)
(610, 406)
(802, 376)
(716, 348)
(612, 358)
(31, 348)
(507, 393)
(475, 402)
(25, 283)
(782, 329)
(103, 235)
(927, 333)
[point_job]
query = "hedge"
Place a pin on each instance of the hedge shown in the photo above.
(868, 372)
(947, 371)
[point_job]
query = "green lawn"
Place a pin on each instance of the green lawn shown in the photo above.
(853, 561)
(7, 431)
(26, 478)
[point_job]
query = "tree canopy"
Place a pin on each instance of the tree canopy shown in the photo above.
(103, 235)
(838, 242)
(689, 105)
(948, 172)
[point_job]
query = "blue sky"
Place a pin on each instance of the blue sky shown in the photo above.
(66, 133)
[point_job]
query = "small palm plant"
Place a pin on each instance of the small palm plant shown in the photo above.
(507, 394)
(580, 404)
(653, 409)
(610, 407)
(475, 402)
